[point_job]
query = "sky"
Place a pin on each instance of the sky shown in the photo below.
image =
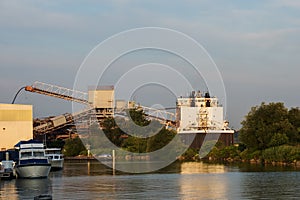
(254, 44)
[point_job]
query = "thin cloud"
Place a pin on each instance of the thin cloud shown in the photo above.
(24, 14)
(295, 4)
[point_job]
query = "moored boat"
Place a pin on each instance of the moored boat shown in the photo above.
(7, 169)
(55, 158)
(1, 170)
(32, 161)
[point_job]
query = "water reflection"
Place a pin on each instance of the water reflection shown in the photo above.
(29, 188)
(200, 167)
(92, 180)
(25, 188)
(84, 168)
(282, 185)
(203, 181)
(8, 190)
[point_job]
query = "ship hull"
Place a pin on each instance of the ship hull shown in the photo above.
(55, 158)
(57, 164)
(33, 170)
(195, 139)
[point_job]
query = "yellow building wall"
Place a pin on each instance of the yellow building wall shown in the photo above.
(102, 98)
(15, 124)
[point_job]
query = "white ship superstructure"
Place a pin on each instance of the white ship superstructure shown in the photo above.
(201, 113)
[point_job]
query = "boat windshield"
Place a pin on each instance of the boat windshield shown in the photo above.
(26, 154)
(38, 154)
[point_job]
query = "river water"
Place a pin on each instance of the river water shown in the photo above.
(92, 180)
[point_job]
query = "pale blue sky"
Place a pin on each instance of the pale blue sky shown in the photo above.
(255, 44)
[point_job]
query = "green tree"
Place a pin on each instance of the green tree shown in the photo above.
(142, 135)
(278, 139)
(112, 131)
(55, 144)
(161, 139)
(135, 144)
(74, 147)
(294, 119)
(138, 116)
(262, 123)
(107, 124)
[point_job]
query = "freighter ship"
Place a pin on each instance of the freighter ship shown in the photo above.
(200, 118)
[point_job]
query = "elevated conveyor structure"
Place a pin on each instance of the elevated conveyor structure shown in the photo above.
(58, 92)
(61, 121)
(55, 123)
(58, 122)
(161, 115)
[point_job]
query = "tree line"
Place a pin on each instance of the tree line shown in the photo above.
(269, 133)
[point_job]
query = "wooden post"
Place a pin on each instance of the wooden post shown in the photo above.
(114, 161)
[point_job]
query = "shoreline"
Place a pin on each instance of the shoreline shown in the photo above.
(80, 158)
(295, 164)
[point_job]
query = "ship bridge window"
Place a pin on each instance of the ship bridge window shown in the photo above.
(207, 103)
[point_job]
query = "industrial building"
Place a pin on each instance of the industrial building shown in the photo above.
(102, 99)
(15, 124)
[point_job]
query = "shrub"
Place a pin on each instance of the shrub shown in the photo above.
(283, 153)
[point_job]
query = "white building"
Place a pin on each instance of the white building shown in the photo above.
(15, 124)
(102, 98)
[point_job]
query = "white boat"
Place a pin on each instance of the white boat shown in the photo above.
(1, 171)
(7, 171)
(55, 157)
(32, 161)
